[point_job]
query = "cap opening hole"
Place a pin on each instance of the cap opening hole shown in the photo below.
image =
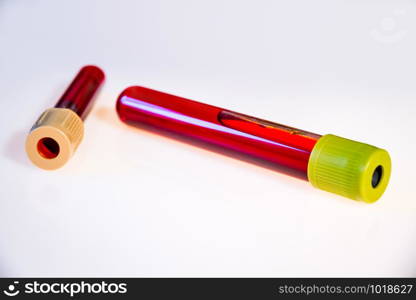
(377, 175)
(48, 148)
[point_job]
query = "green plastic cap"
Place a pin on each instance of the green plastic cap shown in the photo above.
(348, 168)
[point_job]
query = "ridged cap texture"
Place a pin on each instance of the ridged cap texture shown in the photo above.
(349, 168)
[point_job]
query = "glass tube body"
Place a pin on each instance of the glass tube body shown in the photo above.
(79, 95)
(270, 142)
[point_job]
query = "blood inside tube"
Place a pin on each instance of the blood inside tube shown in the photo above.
(294, 137)
(277, 145)
(48, 148)
(78, 96)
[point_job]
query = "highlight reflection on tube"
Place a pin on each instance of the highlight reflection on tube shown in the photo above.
(161, 111)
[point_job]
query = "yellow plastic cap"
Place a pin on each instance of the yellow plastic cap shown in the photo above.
(54, 138)
(348, 168)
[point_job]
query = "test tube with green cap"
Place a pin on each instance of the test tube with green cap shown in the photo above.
(332, 163)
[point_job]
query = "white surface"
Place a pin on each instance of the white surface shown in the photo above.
(131, 203)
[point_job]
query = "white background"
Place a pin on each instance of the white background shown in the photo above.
(132, 203)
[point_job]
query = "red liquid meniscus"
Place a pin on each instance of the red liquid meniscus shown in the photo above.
(269, 142)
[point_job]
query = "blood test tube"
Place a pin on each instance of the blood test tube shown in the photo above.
(57, 133)
(349, 168)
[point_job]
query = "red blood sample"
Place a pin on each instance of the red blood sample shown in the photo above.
(79, 95)
(269, 142)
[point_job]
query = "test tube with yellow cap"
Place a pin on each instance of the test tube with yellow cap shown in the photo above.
(335, 164)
